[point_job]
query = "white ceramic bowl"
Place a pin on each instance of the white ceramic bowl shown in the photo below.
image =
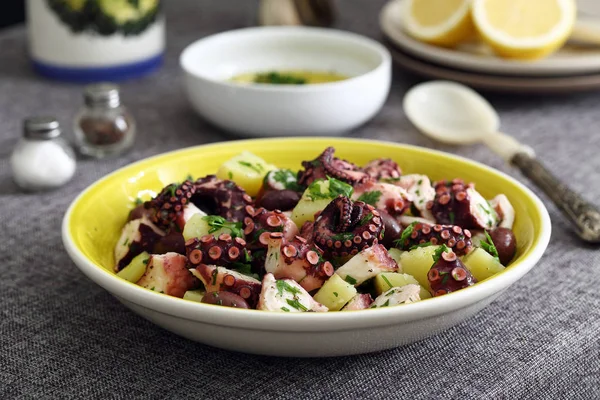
(93, 223)
(286, 110)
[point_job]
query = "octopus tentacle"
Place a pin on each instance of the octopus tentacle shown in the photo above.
(297, 259)
(258, 225)
(383, 169)
(218, 279)
(223, 251)
(221, 197)
(345, 227)
(457, 203)
(167, 208)
(327, 165)
(453, 236)
(448, 274)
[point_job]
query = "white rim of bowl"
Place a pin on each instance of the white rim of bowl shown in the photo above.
(311, 322)
(356, 39)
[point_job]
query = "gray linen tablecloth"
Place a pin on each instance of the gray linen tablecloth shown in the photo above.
(61, 336)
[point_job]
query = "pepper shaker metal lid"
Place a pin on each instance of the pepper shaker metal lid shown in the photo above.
(102, 95)
(41, 128)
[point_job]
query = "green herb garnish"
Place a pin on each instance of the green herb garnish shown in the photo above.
(216, 222)
(172, 188)
(405, 236)
(387, 303)
(215, 273)
(366, 219)
(145, 262)
(296, 304)
(342, 237)
(256, 167)
(489, 246)
(189, 177)
(451, 215)
(438, 252)
(283, 285)
(386, 281)
(350, 280)
(287, 178)
(335, 294)
(370, 197)
(337, 187)
(276, 78)
(230, 175)
(138, 201)
(285, 309)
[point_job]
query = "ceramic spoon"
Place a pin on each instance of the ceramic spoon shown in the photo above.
(453, 113)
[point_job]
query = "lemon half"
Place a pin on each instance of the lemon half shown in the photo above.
(524, 29)
(439, 22)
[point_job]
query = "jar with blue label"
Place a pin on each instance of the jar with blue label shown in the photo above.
(95, 40)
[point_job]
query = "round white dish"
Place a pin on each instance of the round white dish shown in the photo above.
(475, 57)
(286, 110)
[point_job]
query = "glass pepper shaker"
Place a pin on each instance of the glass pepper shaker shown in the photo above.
(103, 127)
(42, 160)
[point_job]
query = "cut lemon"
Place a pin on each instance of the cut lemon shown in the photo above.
(440, 22)
(524, 29)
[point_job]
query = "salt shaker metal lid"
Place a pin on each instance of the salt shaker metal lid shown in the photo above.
(102, 95)
(41, 128)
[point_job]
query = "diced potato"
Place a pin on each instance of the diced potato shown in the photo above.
(418, 262)
(136, 268)
(387, 280)
(307, 207)
(482, 264)
(335, 293)
(395, 254)
(197, 227)
(194, 295)
(247, 170)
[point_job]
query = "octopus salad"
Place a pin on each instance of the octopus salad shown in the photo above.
(333, 236)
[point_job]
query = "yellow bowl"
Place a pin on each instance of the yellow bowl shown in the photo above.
(94, 220)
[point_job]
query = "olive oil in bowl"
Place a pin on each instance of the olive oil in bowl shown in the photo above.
(289, 77)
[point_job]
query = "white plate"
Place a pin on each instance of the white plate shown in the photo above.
(476, 57)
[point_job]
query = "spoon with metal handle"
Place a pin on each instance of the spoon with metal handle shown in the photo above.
(453, 113)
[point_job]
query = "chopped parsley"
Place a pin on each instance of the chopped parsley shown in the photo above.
(387, 303)
(342, 237)
(350, 280)
(189, 177)
(484, 209)
(335, 294)
(365, 219)
(451, 215)
(438, 252)
(145, 262)
(126, 242)
(336, 188)
(296, 304)
(488, 245)
(283, 285)
(371, 197)
(215, 273)
(287, 178)
(138, 201)
(386, 281)
(256, 167)
(230, 175)
(216, 222)
(405, 236)
(276, 78)
(171, 189)
(285, 309)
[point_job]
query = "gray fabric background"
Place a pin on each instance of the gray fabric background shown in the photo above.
(61, 336)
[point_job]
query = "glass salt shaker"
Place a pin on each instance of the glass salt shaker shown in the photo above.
(103, 127)
(42, 160)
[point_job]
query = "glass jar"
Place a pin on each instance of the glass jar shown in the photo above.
(42, 160)
(103, 127)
